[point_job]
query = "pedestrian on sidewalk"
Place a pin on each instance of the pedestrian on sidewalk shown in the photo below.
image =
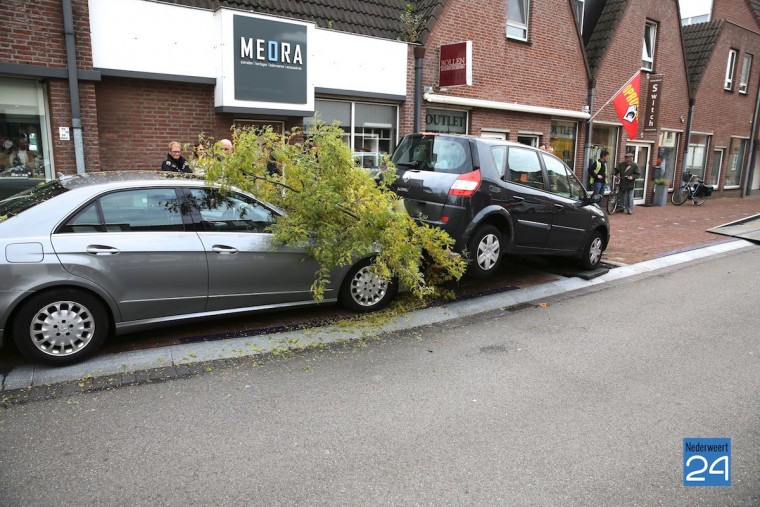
(628, 172)
(597, 173)
(175, 162)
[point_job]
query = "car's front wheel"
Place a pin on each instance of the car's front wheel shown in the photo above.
(485, 251)
(60, 327)
(363, 291)
(592, 252)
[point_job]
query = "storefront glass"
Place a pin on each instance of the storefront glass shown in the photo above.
(667, 154)
(604, 138)
(562, 140)
(24, 140)
(735, 161)
(370, 129)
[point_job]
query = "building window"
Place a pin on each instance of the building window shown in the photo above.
(696, 155)
(744, 82)
(647, 53)
(579, 7)
(730, 67)
(24, 142)
(564, 134)
(369, 129)
(717, 163)
(446, 121)
(667, 152)
(735, 161)
(517, 19)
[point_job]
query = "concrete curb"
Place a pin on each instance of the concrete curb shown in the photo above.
(177, 359)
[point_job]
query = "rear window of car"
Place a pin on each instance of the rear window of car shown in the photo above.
(433, 153)
(27, 199)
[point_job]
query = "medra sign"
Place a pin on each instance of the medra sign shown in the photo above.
(270, 60)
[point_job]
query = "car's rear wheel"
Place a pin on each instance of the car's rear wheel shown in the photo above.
(363, 291)
(485, 250)
(592, 252)
(61, 326)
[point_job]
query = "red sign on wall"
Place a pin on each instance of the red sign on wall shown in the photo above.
(456, 64)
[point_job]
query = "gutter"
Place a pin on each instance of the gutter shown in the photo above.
(750, 172)
(504, 106)
(71, 65)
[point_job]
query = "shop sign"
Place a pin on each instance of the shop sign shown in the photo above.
(441, 120)
(270, 60)
(654, 97)
(455, 67)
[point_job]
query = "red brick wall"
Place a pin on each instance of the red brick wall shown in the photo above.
(734, 10)
(548, 71)
(623, 59)
(726, 113)
(32, 33)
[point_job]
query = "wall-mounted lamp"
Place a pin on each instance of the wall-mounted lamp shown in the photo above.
(585, 109)
(681, 119)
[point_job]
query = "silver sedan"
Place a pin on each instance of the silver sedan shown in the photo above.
(87, 256)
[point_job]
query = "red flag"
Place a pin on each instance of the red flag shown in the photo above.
(626, 104)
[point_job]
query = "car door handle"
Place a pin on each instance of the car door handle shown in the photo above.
(559, 207)
(222, 249)
(517, 198)
(102, 250)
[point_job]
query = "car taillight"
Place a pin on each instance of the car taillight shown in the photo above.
(466, 185)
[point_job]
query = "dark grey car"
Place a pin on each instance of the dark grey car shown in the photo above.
(495, 197)
(89, 255)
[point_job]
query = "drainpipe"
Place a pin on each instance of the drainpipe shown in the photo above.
(589, 128)
(419, 55)
(750, 172)
(71, 64)
(688, 140)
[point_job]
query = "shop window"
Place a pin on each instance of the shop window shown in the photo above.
(517, 19)
(735, 162)
(696, 155)
(563, 138)
(730, 69)
(647, 53)
(603, 138)
(24, 142)
(744, 82)
(667, 153)
(717, 163)
(369, 129)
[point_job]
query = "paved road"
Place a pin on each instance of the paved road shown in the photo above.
(551, 405)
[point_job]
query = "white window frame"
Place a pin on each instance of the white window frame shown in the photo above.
(650, 36)
(580, 9)
(744, 81)
(728, 84)
(517, 29)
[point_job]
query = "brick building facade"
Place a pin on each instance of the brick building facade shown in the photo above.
(536, 78)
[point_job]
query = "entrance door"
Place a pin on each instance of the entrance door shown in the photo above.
(641, 157)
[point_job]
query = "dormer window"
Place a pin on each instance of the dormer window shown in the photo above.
(744, 82)
(730, 69)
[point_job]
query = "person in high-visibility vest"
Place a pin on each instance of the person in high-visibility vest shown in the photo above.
(597, 173)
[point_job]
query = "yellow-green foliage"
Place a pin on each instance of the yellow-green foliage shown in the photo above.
(333, 206)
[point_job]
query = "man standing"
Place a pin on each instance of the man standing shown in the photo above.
(597, 173)
(628, 172)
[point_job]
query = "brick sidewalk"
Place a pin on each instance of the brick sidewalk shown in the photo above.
(660, 230)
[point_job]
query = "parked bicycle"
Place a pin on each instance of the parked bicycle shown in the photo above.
(692, 188)
(613, 198)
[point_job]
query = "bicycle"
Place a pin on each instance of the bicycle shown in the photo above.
(613, 198)
(692, 188)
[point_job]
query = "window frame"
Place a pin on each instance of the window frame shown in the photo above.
(650, 35)
(728, 83)
(744, 80)
(519, 26)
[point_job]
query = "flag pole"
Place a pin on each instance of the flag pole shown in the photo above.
(614, 95)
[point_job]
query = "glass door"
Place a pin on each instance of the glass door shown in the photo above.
(641, 157)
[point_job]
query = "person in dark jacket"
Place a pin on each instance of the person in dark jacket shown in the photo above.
(628, 172)
(175, 162)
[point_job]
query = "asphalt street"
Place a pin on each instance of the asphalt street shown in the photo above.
(583, 398)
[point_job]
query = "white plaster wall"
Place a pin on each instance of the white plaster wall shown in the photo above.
(145, 36)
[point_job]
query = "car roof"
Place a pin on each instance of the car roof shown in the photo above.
(109, 177)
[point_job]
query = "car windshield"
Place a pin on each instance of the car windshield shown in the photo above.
(21, 202)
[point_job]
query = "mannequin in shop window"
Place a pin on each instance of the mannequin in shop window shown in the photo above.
(22, 157)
